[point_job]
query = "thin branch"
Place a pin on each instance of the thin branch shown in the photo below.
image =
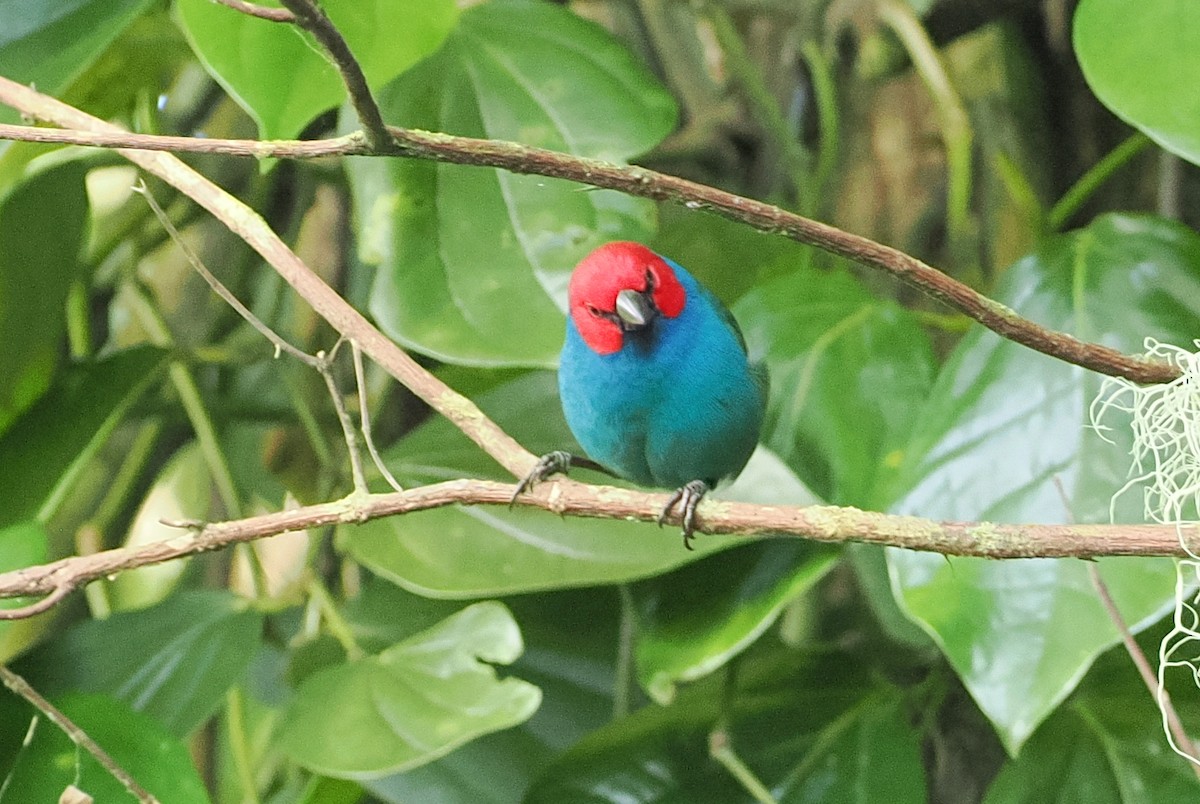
(262, 12)
(364, 417)
(312, 18)
(217, 286)
(248, 225)
(1149, 677)
(631, 180)
(566, 497)
(77, 735)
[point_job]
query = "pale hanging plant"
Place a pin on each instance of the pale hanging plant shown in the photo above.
(1165, 424)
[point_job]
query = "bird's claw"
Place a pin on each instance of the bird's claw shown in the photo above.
(687, 498)
(552, 463)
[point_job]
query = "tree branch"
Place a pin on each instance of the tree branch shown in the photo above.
(569, 498)
(77, 735)
(632, 180)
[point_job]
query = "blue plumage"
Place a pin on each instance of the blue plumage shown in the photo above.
(654, 379)
(679, 401)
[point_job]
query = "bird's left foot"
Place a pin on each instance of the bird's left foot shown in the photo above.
(687, 498)
(552, 463)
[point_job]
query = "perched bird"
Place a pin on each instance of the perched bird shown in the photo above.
(654, 379)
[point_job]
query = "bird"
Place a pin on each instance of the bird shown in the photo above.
(654, 379)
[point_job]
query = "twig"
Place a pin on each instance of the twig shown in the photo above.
(567, 497)
(310, 17)
(364, 416)
(1149, 677)
(339, 405)
(77, 735)
(631, 180)
(217, 286)
(262, 12)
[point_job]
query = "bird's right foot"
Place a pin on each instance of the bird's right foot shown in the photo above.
(552, 463)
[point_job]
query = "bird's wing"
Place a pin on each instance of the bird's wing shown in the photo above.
(757, 370)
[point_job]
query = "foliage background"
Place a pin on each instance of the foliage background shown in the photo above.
(479, 654)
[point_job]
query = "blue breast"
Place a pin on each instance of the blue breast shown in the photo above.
(679, 402)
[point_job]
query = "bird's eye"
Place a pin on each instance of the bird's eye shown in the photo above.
(649, 281)
(593, 309)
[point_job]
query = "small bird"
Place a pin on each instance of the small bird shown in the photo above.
(654, 379)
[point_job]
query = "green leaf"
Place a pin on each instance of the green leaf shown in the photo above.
(694, 620)
(1003, 429)
(488, 550)
(473, 263)
(21, 545)
(570, 647)
(412, 703)
(1143, 61)
(48, 43)
(42, 225)
(815, 732)
(846, 371)
(182, 492)
(44, 450)
(173, 661)
(1106, 746)
(283, 79)
(137, 743)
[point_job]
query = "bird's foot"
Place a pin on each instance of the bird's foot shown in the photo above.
(552, 463)
(687, 498)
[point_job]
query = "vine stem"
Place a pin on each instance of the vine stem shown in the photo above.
(566, 497)
(514, 157)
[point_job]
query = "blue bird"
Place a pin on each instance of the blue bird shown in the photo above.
(655, 382)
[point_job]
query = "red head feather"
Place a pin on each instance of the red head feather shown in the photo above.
(604, 273)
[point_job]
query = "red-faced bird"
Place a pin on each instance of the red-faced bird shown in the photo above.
(654, 379)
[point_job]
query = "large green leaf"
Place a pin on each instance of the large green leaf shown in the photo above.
(45, 449)
(1003, 431)
(173, 661)
(473, 263)
(282, 78)
(412, 703)
(42, 226)
(1105, 746)
(817, 732)
(48, 42)
(695, 619)
(488, 550)
(155, 759)
(846, 372)
(570, 650)
(1143, 61)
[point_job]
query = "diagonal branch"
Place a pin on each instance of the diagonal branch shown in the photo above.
(570, 498)
(248, 225)
(631, 180)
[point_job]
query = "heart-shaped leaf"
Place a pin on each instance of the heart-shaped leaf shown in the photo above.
(412, 703)
(1004, 437)
(473, 263)
(1143, 61)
